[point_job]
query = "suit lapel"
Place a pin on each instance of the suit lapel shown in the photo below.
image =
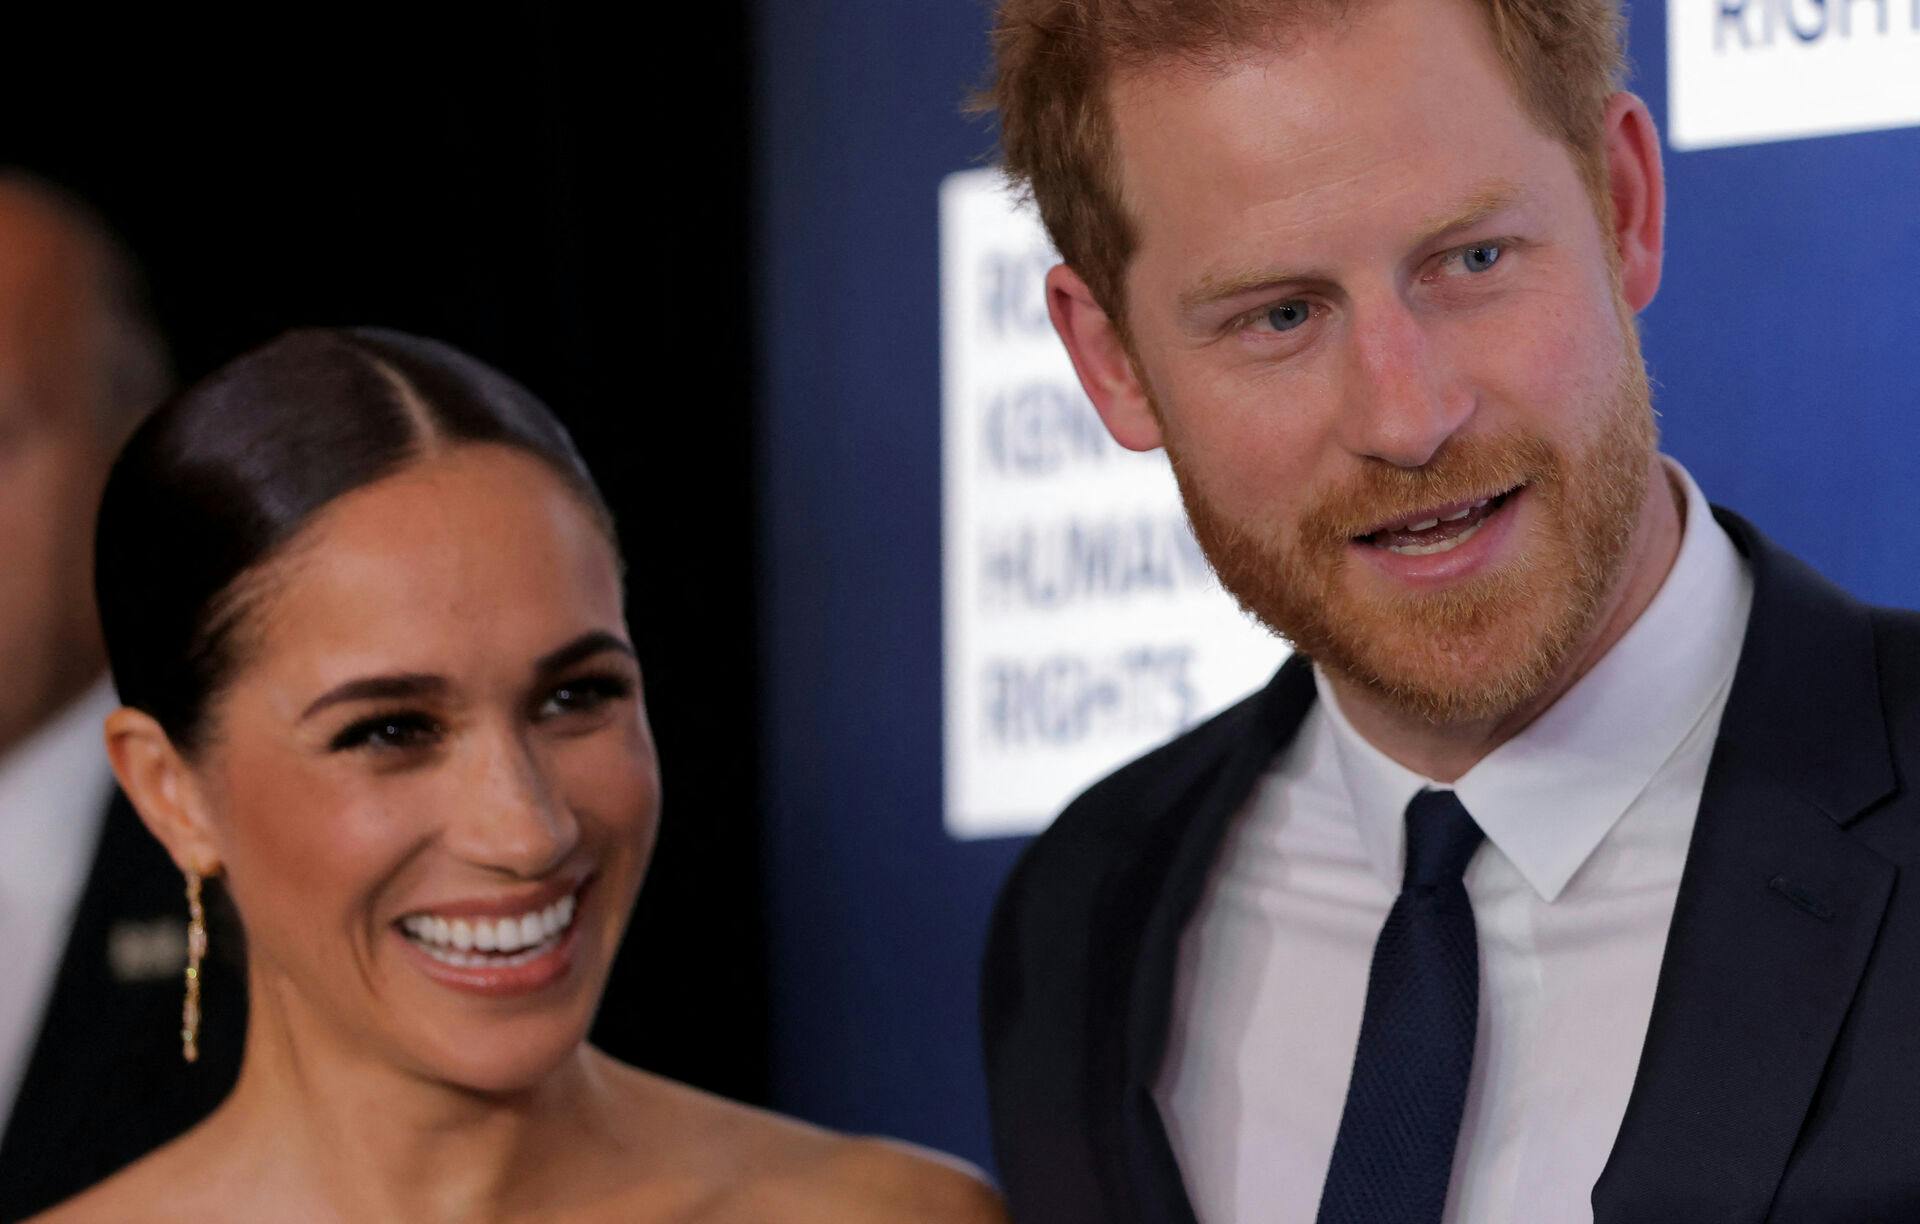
(1189, 843)
(1777, 913)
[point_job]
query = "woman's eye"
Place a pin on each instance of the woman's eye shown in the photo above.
(585, 694)
(1288, 315)
(1480, 258)
(387, 731)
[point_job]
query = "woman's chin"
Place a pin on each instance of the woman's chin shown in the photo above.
(507, 1062)
(495, 1023)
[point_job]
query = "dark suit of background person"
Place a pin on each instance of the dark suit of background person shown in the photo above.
(91, 1075)
(1780, 1078)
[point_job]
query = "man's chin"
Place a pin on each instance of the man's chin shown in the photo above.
(1450, 688)
(1476, 657)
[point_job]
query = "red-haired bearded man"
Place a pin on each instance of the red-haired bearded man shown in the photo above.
(1556, 878)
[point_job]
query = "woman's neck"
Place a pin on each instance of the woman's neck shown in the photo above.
(320, 1118)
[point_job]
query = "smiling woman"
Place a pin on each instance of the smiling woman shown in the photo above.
(364, 609)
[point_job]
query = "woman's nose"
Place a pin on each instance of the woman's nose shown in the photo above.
(512, 818)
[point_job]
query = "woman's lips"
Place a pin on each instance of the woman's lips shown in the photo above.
(513, 954)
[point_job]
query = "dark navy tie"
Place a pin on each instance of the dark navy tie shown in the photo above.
(1394, 1153)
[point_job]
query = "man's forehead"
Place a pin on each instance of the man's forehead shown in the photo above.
(1381, 76)
(32, 222)
(1229, 31)
(1406, 119)
(47, 278)
(43, 250)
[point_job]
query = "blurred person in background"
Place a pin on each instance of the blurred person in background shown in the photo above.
(90, 912)
(364, 608)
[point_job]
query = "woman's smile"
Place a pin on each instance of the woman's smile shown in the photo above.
(498, 947)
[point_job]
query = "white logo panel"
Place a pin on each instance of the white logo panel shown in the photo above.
(1082, 623)
(1747, 71)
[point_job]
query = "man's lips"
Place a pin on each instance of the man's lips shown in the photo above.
(1436, 521)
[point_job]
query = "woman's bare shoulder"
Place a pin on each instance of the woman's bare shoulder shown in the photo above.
(844, 1180)
(157, 1189)
(762, 1165)
(858, 1180)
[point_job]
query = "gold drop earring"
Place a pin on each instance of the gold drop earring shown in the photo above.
(196, 951)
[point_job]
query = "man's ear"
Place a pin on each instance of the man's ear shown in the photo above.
(1637, 185)
(1101, 359)
(163, 790)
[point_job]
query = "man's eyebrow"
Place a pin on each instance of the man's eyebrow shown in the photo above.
(1487, 200)
(587, 645)
(395, 687)
(1215, 287)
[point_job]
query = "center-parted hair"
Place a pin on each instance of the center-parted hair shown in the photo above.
(1055, 62)
(215, 484)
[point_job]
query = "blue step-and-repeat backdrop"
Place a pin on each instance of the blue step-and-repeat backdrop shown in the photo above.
(971, 602)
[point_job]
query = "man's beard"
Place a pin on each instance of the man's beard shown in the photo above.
(1484, 646)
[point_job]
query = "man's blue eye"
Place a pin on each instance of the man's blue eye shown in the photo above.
(1288, 315)
(1480, 258)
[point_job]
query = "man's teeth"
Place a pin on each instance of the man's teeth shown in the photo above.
(490, 941)
(1428, 524)
(1438, 546)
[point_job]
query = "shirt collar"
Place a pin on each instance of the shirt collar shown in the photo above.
(53, 789)
(1547, 797)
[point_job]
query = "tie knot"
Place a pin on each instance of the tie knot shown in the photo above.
(1441, 839)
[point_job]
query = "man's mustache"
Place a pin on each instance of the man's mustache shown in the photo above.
(1462, 470)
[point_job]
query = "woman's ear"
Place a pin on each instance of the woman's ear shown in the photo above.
(162, 788)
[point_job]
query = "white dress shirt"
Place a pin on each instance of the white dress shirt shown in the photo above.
(1587, 812)
(54, 788)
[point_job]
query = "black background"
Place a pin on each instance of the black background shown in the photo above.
(568, 204)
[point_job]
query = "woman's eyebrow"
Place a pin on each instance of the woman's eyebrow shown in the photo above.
(417, 684)
(583, 647)
(377, 688)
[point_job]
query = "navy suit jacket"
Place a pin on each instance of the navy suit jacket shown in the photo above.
(1780, 1078)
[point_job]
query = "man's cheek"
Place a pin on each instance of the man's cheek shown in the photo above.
(1565, 349)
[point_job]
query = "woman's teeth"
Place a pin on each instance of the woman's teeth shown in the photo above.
(490, 942)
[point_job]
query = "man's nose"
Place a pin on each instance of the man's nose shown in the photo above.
(512, 819)
(1403, 401)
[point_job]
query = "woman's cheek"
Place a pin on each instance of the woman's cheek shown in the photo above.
(314, 842)
(612, 768)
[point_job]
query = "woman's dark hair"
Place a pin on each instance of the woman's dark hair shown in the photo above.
(217, 481)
